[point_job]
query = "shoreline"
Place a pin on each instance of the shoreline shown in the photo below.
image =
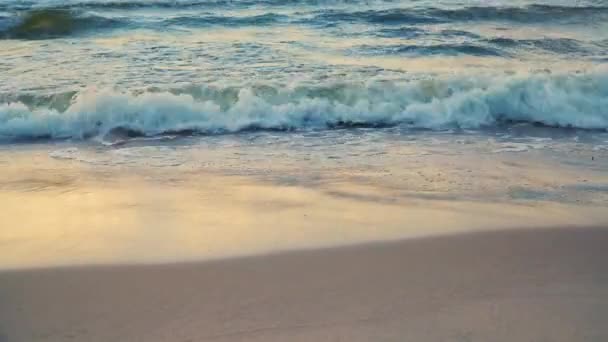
(519, 284)
(174, 202)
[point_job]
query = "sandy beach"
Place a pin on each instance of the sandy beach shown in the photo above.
(515, 285)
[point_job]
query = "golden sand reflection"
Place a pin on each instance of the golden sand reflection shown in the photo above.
(60, 213)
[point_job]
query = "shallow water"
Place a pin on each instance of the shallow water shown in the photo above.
(170, 199)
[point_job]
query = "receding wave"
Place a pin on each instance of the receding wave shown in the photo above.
(567, 100)
(53, 23)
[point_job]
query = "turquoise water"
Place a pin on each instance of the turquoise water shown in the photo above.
(83, 69)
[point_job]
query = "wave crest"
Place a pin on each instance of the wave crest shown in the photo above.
(575, 100)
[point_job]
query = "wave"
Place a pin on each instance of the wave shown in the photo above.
(567, 100)
(556, 45)
(172, 4)
(465, 43)
(424, 15)
(64, 20)
(52, 23)
(57, 23)
(531, 12)
(412, 32)
(210, 20)
(436, 49)
(526, 14)
(100, 5)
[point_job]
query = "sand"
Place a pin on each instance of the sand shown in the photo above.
(65, 212)
(511, 285)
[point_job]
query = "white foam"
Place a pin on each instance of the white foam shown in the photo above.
(575, 100)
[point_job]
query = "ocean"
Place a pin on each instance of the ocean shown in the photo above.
(79, 69)
(169, 129)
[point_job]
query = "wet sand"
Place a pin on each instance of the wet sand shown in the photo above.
(132, 205)
(511, 285)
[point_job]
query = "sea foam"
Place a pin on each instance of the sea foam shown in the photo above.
(473, 102)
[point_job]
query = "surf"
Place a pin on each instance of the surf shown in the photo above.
(557, 100)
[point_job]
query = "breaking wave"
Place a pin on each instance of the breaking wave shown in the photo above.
(573, 100)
